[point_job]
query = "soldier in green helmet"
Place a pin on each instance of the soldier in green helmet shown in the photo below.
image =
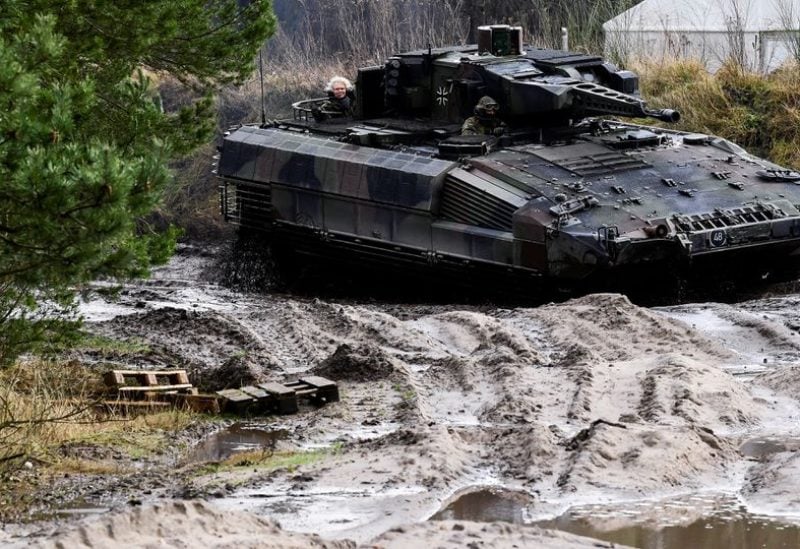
(485, 121)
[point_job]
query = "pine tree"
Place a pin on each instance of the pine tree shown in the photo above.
(85, 144)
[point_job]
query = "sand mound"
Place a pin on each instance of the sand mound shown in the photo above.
(771, 486)
(608, 327)
(775, 335)
(184, 524)
(188, 524)
(202, 337)
(235, 372)
(529, 452)
(357, 363)
(450, 534)
(638, 459)
(463, 333)
(784, 381)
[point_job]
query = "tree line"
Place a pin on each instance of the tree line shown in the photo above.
(370, 30)
(85, 142)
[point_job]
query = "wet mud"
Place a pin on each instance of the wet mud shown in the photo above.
(522, 419)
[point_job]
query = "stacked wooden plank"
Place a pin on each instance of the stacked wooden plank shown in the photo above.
(148, 384)
(280, 398)
(151, 389)
(148, 389)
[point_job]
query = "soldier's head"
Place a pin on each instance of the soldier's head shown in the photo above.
(338, 86)
(487, 107)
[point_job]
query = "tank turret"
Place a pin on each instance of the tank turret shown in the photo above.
(535, 87)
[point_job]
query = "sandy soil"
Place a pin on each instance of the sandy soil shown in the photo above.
(595, 400)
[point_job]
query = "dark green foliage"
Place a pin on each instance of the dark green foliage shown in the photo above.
(84, 140)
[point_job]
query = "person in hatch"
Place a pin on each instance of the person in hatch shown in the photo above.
(340, 102)
(486, 120)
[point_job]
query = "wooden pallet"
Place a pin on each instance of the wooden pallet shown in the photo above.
(135, 389)
(148, 385)
(281, 398)
(132, 407)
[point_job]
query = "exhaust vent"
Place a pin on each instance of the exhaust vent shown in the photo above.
(476, 198)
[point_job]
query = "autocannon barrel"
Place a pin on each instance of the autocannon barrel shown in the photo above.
(665, 115)
(581, 99)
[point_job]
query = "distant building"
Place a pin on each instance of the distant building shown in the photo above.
(759, 34)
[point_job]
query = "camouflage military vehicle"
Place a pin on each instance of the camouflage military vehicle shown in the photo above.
(561, 197)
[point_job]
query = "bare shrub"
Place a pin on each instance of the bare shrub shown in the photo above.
(789, 18)
(46, 406)
(370, 30)
(363, 30)
(40, 404)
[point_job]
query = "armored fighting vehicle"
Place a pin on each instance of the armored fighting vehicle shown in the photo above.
(568, 194)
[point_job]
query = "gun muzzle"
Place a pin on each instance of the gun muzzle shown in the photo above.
(665, 115)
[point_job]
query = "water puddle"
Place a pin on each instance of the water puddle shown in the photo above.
(488, 505)
(692, 521)
(734, 528)
(237, 438)
(762, 447)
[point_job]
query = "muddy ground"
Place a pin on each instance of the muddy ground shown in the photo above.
(594, 403)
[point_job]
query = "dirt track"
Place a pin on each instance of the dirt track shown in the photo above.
(595, 400)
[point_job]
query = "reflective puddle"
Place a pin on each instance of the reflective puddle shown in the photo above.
(695, 521)
(237, 438)
(731, 529)
(762, 447)
(488, 505)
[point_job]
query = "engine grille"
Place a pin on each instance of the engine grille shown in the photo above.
(463, 203)
(246, 204)
(599, 164)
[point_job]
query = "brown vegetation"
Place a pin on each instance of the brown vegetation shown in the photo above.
(759, 112)
(50, 425)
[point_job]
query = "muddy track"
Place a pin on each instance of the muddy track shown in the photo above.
(594, 399)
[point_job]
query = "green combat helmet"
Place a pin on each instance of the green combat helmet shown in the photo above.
(487, 107)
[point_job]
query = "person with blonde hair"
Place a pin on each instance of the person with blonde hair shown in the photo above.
(340, 102)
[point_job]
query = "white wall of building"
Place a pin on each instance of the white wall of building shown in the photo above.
(759, 34)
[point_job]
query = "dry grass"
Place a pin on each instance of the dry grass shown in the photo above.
(758, 112)
(46, 405)
(41, 403)
(48, 420)
(283, 85)
(81, 466)
(268, 460)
